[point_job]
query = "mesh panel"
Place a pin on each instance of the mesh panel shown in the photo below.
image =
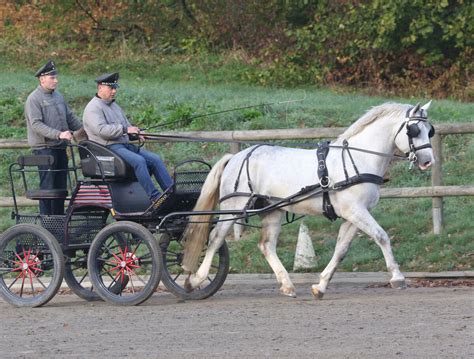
(28, 241)
(190, 181)
(82, 228)
(54, 224)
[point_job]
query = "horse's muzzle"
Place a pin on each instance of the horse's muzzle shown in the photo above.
(425, 165)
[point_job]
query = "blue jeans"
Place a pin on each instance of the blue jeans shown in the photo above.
(144, 162)
(53, 179)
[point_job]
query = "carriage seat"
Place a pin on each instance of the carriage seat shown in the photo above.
(35, 161)
(113, 166)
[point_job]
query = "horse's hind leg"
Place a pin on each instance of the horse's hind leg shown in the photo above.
(216, 238)
(347, 232)
(366, 223)
(271, 227)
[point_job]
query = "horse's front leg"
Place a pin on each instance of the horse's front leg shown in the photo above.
(216, 238)
(271, 227)
(347, 232)
(366, 223)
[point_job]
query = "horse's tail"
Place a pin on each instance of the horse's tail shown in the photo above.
(196, 234)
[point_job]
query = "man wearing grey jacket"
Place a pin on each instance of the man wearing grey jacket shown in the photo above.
(50, 123)
(105, 123)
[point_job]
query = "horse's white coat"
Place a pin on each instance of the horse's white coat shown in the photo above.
(280, 172)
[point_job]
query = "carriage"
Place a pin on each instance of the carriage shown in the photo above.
(130, 249)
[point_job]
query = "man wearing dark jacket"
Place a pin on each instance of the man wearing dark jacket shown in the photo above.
(50, 123)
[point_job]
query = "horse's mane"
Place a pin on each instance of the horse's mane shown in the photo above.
(376, 112)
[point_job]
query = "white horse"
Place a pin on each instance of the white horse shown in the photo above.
(273, 173)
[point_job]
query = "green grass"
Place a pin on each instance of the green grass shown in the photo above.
(159, 93)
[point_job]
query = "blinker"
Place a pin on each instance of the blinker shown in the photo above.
(413, 130)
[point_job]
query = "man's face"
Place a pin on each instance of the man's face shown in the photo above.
(106, 92)
(49, 82)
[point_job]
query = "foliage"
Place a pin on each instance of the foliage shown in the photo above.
(408, 47)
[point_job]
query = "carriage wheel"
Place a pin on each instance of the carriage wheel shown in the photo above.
(173, 276)
(31, 265)
(76, 276)
(124, 273)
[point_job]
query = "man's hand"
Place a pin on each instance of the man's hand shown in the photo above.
(65, 135)
(133, 130)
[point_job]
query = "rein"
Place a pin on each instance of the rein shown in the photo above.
(156, 136)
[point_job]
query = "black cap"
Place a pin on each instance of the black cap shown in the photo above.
(47, 69)
(108, 79)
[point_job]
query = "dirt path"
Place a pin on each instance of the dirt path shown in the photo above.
(250, 319)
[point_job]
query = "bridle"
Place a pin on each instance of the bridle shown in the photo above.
(413, 131)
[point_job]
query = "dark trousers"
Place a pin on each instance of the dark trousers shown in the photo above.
(54, 179)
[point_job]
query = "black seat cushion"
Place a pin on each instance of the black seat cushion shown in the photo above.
(112, 165)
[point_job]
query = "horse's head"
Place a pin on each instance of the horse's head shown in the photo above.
(413, 136)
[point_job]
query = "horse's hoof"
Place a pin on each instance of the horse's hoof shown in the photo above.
(398, 284)
(289, 292)
(317, 294)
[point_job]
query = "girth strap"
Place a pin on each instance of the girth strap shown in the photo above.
(322, 152)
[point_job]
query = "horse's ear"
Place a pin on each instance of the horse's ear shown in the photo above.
(414, 110)
(427, 106)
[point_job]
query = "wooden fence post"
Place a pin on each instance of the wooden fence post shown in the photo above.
(234, 147)
(437, 180)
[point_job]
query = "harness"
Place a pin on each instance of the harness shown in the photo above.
(413, 131)
(321, 153)
(257, 200)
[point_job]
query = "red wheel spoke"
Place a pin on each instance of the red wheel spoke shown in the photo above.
(28, 254)
(113, 269)
(131, 265)
(36, 269)
(116, 257)
(18, 256)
